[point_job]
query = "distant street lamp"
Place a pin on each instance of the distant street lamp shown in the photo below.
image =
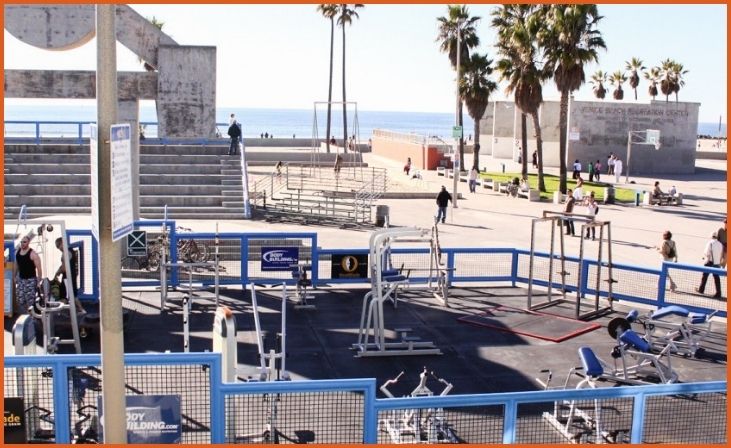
(650, 137)
(456, 164)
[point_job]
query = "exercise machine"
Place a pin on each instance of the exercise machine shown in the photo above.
(384, 283)
(674, 325)
(302, 298)
(418, 425)
(556, 219)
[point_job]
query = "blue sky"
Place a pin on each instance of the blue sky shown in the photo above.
(276, 56)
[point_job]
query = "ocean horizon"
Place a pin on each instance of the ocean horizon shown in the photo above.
(281, 123)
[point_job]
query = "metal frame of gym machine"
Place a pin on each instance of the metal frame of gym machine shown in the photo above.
(588, 222)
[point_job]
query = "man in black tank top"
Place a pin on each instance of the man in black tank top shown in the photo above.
(28, 274)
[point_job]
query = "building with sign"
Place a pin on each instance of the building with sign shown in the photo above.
(596, 129)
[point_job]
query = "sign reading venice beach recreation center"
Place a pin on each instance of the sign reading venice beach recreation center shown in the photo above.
(349, 266)
(279, 258)
(122, 213)
(150, 419)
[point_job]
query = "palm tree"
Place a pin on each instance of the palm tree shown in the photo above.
(666, 77)
(653, 76)
(475, 88)
(635, 67)
(346, 14)
(517, 27)
(458, 29)
(570, 39)
(678, 81)
(617, 79)
(329, 12)
(598, 79)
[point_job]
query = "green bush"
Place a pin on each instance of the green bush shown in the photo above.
(620, 194)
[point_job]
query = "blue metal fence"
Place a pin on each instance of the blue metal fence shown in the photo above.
(371, 406)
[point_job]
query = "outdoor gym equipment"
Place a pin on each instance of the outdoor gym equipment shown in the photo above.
(556, 219)
(418, 425)
(674, 325)
(48, 307)
(578, 420)
(302, 298)
(384, 283)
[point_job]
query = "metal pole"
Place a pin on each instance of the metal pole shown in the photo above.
(629, 155)
(112, 337)
(456, 164)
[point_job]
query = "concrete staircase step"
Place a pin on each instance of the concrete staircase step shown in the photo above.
(47, 179)
(183, 179)
(48, 168)
(185, 201)
(11, 212)
(180, 169)
(55, 157)
(190, 189)
(48, 201)
(40, 189)
(232, 193)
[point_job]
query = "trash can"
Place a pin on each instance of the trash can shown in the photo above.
(609, 195)
(382, 212)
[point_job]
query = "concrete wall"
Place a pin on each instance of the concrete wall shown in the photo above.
(76, 84)
(186, 101)
(602, 127)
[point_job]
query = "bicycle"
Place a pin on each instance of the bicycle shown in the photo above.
(191, 252)
(149, 262)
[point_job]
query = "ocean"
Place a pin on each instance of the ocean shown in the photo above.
(282, 123)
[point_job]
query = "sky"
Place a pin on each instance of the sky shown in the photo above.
(277, 56)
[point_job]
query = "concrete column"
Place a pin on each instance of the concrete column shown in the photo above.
(110, 301)
(129, 112)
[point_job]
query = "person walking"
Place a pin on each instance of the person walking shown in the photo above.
(577, 169)
(610, 164)
(721, 232)
(443, 199)
(407, 166)
(569, 208)
(234, 131)
(591, 209)
(669, 253)
(712, 255)
(338, 164)
(28, 275)
(592, 170)
(535, 159)
(473, 179)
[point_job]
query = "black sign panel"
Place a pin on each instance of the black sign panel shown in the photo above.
(14, 420)
(349, 266)
(137, 243)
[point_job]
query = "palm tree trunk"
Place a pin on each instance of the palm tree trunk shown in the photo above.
(345, 105)
(476, 147)
(562, 140)
(635, 93)
(330, 85)
(539, 150)
(524, 140)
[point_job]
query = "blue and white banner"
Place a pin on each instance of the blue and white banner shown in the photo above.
(150, 419)
(279, 258)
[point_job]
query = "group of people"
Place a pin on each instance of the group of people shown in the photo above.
(714, 255)
(29, 274)
(574, 198)
(615, 166)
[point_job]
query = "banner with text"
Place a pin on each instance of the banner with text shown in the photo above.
(150, 419)
(122, 213)
(279, 258)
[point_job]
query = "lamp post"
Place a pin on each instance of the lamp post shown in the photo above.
(456, 164)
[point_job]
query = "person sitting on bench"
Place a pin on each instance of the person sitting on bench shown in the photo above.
(658, 195)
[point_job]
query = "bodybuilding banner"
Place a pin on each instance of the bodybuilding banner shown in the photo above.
(150, 419)
(279, 258)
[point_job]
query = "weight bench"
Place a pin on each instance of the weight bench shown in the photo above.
(675, 324)
(392, 280)
(577, 420)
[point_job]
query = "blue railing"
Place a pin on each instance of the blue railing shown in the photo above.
(219, 391)
(468, 265)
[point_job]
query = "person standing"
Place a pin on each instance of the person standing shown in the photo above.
(28, 275)
(591, 171)
(74, 264)
(338, 164)
(535, 159)
(577, 169)
(712, 255)
(569, 208)
(597, 170)
(407, 166)
(617, 169)
(234, 131)
(443, 199)
(721, 232)
(610, 163)
(669, 253)
(473, 179)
